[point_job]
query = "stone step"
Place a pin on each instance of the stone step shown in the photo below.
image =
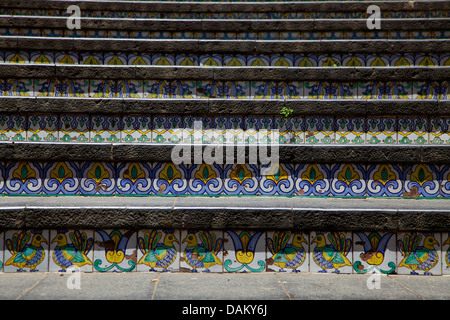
(162, 152)
(52, 7)
(210, 107)
(226, 46)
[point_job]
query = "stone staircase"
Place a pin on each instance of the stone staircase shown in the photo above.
(357, 118)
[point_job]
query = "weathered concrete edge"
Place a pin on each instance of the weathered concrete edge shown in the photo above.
(280, 6)
(367, 154)
(352, 74)
(226, 219)
(225, 46)
(300, 107)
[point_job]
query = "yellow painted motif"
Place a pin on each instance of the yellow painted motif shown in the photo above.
(347, 174)
(170, 173)
(61, 172)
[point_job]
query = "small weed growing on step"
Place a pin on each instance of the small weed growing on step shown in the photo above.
(286, 112)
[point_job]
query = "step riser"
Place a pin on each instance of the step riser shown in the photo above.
(229, 251)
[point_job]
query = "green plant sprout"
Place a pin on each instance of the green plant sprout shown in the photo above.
(286, 112)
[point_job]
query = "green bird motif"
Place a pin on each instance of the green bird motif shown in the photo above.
(202, 255)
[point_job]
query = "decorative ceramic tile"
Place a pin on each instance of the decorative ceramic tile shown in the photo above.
(445, 181)
(167, 129)
(97, 178)
(115, 250)
(384, 180)
(137, 59)
(23, 177)
(209, 89)
(259, 60)
(353, 60)
(289, 130)
(381, 130)
(215, 60)
(317, 90)
(342, 90)
(136, 129)
(378, 60)
(26, 250)
(426, 60)
(134, 178)
(312, 180)
(170, 179)
(236, 89)
(439, 130)
(350, 130)
(282, 60)
(42, 57)
(287, 251)
(17, 57)
(290, 90)
(241, 179)
(61, 178)
(66, 58)
(129, 89)
(371, 90)
(412, 130)
(374, 252)
(444, 60)
(278, 179)
(205, 179)
(19, 87)
(13, 128)
(347, 180)
(115, 59)
(201, 251)
(71, 249)
(259, 129)
(182, 89)
(331, 251)
(158, 250)
(398, 90)
(105, 129)
(421, 180)
(74, 128)
(234, 60)
(445, 253)
(444, 92)
(72, 88)
(319, 130)
(244, 251)
(198, 130)
(333, 60)
(158, 89)
(426, 90)
(402, 60)
(228, 129)
(419, 253)
(163, 59)
(186, 60)
(42, 128)
(306, 60)
(90, 58)
(2, 248)
(102, 89)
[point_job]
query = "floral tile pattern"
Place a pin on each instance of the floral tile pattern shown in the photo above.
(115, 250)
(244, 251)
(374, 252)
